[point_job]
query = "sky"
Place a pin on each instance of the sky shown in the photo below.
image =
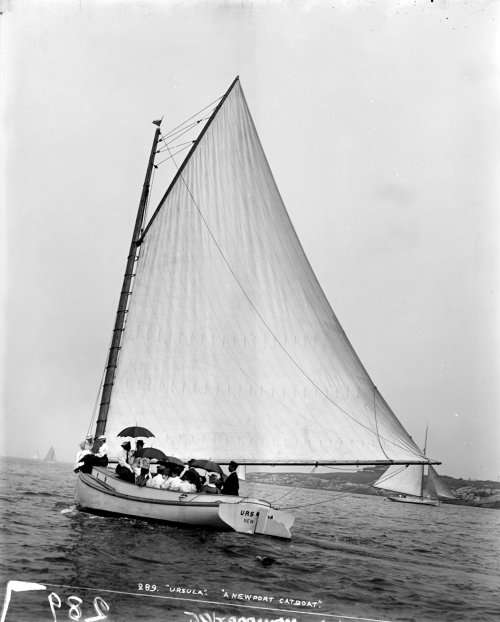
(380, 121)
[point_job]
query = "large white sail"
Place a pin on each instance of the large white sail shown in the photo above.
(402, 479)
(231, 350)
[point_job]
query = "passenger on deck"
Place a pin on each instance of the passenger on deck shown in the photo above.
(188, 484)
(98, 458)
(167, 477)
(142, 478)
(174, 482)
(134, 460)
(132, 456)
(232, 485)
(157, 480)
(79, 457)
(211, 488)
(89, 443)
(195, 476)
(123, 468)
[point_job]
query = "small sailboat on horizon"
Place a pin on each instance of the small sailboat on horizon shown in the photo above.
(409, 483)
(51, 456)
(225, 345)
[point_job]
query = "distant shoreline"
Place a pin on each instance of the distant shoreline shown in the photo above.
(473, 493)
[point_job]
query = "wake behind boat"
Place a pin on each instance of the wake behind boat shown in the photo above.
(225, 344)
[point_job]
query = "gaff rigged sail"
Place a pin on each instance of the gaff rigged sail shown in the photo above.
(231, 350)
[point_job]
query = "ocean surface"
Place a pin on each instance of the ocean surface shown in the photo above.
(352, 557)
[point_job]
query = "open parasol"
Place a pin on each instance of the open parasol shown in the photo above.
(136, 432)
(151, 453)
(174, 460)
(207, 465)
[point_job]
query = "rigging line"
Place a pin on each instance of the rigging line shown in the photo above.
(190, 154)
(265, 323)
(189, 142)
(195, 114)
(171, 156)
(336, 468)
(168, 138)
(179, 174)
(296, 489)
(178, 134)
(336, 496)
(181, 133)
(271, 396)
(376, 422)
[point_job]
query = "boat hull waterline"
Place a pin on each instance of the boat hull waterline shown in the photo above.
(415, 500)
(104, 493)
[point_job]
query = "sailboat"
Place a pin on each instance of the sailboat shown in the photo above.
(51, 456)
(409, 482)
(36, 456)
(225, 345)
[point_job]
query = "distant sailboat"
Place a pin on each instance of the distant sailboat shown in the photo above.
(409, 482)
(51, 456)
(36, 456)
(225, 344)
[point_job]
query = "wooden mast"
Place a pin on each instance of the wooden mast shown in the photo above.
(125, 293)
(423, 467)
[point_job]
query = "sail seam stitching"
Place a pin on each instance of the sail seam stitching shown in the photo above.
(180, 176)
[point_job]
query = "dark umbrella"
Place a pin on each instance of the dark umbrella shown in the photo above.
(175, 461)
(150, 452)
(208, 465)
(136, 432)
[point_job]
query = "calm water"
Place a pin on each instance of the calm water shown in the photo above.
(360, 556)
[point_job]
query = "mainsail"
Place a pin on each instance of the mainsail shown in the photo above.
(231, 349)
(409, 480)
(51, 455)
(437, 487)
(402, 479)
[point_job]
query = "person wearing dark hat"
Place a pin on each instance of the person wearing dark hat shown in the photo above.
(123, 468)
(232, 484)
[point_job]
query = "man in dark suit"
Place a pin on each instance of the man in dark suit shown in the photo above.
(232, 485)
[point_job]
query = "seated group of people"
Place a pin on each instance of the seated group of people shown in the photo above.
(145, 472)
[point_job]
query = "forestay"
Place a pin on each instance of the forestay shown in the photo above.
(231, 350)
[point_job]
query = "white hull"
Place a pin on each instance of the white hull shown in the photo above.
(104, 493)
(415, 500)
